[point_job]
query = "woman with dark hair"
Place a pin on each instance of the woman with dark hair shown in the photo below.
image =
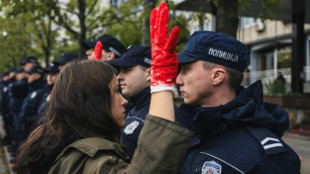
(82, 129)
(86, 112)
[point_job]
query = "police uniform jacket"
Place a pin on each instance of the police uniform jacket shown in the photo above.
(240, 137)
(98, 155)
(134, 120)
(31, 103)
(45, 99)
(19, 91)
(6, 95)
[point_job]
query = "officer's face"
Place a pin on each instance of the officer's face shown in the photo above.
(195, 85)
(118, 103)
(133, 80)
(28, 66)
(105, 55)
(51, 78)
(89, 53)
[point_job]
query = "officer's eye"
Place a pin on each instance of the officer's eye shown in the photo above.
(127, 69)
(185, 68)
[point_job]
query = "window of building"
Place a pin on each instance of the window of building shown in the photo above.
(248, 22)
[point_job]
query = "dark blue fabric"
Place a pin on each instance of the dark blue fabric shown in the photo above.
(223, 137)
(135, 120)
(217, 48)
(30, 106)
(45, 100)
(5, 108)
(6, 94)
(140, 107)
(135, 55)
(19, 91)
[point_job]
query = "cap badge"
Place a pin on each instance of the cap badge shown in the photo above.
(223, 55)
(147, 60)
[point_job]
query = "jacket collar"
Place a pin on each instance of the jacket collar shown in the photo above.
(142, 98)
(247, 108)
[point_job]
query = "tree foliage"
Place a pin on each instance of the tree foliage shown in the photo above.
(48, 28)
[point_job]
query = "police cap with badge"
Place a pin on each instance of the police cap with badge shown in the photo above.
(218, 48)
(135, 55)
(111, 44)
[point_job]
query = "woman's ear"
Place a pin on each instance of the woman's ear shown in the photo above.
(218, 75)
(147, 73)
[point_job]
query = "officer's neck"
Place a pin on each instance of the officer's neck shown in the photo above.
(220, 96)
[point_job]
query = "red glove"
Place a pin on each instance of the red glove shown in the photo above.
(164, 65)
(97, 51)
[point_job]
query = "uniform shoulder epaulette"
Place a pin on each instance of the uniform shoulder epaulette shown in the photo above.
(270, 142)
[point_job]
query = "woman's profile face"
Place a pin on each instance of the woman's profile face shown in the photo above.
(118, 103)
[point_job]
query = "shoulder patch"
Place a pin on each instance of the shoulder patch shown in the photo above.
(268, 140)
(5, 89)
(211, 167)
(33, 94)
(129, 129)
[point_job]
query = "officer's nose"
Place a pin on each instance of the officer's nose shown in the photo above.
(180, 79)
(119, 76)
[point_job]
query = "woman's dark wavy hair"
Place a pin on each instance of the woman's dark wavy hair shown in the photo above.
(80, 104)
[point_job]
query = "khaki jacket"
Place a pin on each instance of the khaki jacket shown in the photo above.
(161, 149)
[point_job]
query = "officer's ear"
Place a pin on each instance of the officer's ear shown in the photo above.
(147, 74)
(218, 75)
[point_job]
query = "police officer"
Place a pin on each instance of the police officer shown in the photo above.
(18, 93)
(111, 48)
(134, 78)
(36, 90)
(236, 132)
(8, 80)
(134, 72)
(28, 62)
(52, 74)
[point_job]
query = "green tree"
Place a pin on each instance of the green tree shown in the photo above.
(15, 43)
(40, 14)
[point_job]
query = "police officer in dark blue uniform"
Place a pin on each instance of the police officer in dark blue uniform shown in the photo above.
(28, 62)
(135, 81)
(112, 47)
(8, 80)
(18, 93)
(52, 74)
(36, 90)
(134, 71)
(236, 132)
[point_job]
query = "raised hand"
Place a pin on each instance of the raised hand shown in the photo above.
(164, 57)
